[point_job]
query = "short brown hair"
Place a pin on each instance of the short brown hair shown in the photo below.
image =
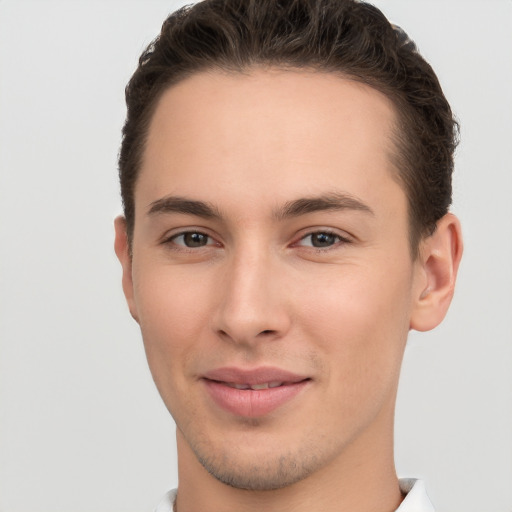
(349, 37)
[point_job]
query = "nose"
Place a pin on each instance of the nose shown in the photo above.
(253, 303)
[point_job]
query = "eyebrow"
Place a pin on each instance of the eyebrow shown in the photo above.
(335, 201)
(177, 204)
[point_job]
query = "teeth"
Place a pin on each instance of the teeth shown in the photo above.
(267, 385)
(260, 386)
(255, 387)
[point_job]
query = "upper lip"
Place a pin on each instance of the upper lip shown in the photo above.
(253, 376)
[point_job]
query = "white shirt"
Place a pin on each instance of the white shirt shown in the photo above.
(416, 499)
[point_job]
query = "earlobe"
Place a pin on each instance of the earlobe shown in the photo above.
(439, 259)
(122, 249)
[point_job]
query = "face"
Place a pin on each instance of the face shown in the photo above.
(271, 275)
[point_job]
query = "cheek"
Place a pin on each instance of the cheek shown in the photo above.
(359, 320)
(171, 300)
(174, 309)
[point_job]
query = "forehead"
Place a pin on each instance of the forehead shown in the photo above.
(271, 132)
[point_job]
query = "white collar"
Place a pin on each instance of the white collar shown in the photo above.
(416, 499)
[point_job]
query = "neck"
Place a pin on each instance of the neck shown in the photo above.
(361, 479)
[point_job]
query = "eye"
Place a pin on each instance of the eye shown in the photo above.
(321, 239)
(192, 239)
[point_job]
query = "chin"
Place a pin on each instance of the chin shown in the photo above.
(256, 470)
(260, 476)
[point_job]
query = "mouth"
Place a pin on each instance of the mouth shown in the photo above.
(253, 393)
(256, 387)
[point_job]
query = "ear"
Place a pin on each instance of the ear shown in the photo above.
(437, 266)
(122, 248)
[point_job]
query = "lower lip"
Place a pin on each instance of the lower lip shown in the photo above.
(252, 403)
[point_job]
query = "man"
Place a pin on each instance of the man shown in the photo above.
(286, 177)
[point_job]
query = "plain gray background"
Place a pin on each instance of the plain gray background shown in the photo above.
(82, 428)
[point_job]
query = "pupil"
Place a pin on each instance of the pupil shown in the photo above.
(323, 239)
(195, 239)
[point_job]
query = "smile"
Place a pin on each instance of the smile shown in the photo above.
(253, 393)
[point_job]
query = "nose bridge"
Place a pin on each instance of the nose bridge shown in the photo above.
(253, 304)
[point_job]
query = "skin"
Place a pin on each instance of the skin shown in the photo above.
(259, 293)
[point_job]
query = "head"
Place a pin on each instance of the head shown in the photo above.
(285, 172)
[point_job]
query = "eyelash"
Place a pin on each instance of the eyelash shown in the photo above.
(182, 247)
(340, 240)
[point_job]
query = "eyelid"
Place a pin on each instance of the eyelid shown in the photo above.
(343, 238)
(174, 239)
(171, 235)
